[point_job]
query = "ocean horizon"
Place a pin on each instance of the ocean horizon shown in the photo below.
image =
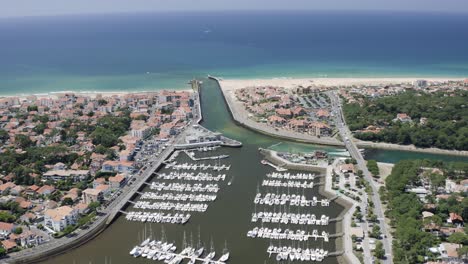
(153, 51)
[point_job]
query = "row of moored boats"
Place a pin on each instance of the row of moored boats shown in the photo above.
(288, 199)
(289, 218)
(166, 252)
(291, 176)
(191, 176)
(185, 197)
(280, 234)
(289, 184)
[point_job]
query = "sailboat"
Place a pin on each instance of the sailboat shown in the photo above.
(225, 255)
(212, 253)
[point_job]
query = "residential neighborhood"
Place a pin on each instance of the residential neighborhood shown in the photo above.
(300, 110)
(64, 156)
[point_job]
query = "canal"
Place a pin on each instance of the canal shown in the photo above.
(227, 219)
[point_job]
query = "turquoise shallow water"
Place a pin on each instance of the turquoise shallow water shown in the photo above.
(137, 52)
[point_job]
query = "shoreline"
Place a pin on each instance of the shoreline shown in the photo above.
(290, 82)
(92, 94)
(235, 84)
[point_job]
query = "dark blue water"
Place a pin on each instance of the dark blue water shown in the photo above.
(164, 50)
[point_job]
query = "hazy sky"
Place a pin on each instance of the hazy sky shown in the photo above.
(14, 8)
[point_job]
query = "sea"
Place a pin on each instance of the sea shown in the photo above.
(151, 51)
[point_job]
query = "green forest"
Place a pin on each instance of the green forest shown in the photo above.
(404, 209)
(446, 126)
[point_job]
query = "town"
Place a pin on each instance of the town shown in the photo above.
(66, 156)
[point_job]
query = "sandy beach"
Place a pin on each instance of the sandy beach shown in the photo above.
(233, 84)
(55, 95)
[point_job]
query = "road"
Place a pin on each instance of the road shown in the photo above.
(353, 150)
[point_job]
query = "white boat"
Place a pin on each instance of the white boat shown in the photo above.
(224, 257)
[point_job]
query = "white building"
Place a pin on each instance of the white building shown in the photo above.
(59, 218)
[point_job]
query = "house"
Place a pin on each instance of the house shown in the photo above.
(455, 219)
(284, 112)
(63, 175)
(31, 190)
(347, 168)
(26, 205)
(320, 129)
(59, 218)
(117, 166)
(17, 190)
(81, 208)
(449, 252)
(92, 195)
(297, 124)
(298, 111)
(402, 117)
(6, 229)
(276, 120)
(46, 190)
(322, 114)
(117, 181)
(9, 245)
(105, 189)
(28, 238)
(73, 194)
(98, 181)
(28, 217)
(6, 187)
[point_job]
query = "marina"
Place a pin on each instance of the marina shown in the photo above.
(228, 217)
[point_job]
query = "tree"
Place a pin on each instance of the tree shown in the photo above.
(7, 217)
(379, 251)
(23, 141)
(18, 230)
(375, 231)
(2, 252)
(373, 168)
(4, 135)
(458, 238)
(67, 201)
(32, 108)
(69, 229)
(93, 206)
